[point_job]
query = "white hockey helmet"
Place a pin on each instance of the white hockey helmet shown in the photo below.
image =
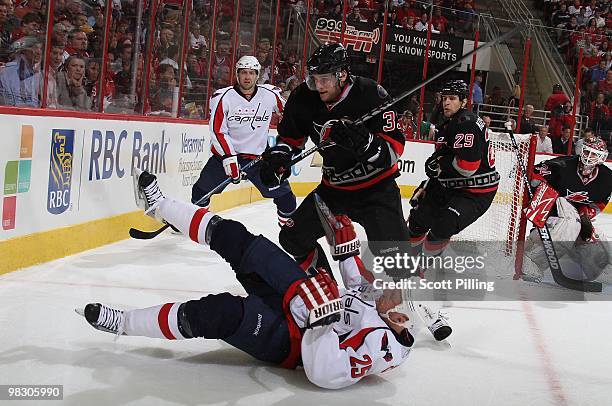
(594, 152)
(248, 62)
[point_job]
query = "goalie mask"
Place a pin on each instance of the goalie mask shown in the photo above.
(328, 59)
(594, 152)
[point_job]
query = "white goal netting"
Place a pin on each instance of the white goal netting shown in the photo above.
(501, 221)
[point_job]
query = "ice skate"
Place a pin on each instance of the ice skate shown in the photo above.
(437, 322)
(103, 318)
(147, 193)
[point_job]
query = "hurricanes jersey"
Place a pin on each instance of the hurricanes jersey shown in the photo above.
(305, 116)
(468, 161)
(589, 195)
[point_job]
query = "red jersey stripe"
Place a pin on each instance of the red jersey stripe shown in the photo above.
(162, 320)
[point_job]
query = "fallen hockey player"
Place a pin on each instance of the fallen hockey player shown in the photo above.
(337, 335)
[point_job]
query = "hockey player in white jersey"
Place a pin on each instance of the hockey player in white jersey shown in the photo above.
(240, 118)
(288, 317)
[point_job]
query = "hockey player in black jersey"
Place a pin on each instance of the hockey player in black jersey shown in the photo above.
(571, 191)
(462, 177)
(359, 165)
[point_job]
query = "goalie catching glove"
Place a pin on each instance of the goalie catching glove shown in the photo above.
(339, 232)
(276, 165)
(322, 299)
(541, 203)
(356, 138)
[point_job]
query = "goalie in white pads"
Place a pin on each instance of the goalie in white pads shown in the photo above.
(288, 317)
(571, 191)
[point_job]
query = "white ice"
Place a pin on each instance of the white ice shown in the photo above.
(501, 353)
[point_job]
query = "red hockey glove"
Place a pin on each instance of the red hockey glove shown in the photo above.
(231, 167)
(322, 299)
(539, 207)
(339, 232)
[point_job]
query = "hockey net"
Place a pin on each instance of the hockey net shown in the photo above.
(502, 222)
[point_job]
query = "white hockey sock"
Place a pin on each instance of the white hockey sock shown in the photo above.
(155, 322)
(190, 219)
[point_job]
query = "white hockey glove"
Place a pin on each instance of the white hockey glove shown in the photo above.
(231, 167)
(339, 232)
(322, 299)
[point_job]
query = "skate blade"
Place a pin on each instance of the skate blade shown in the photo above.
(80, 312)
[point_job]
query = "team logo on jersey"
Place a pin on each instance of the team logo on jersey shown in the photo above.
(60, 171)
(543, 170)
(578, 197)
(251, 116)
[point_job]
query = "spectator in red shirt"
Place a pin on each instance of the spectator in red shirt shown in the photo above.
(438, 20)
(556, 99)
(30, 26)
(560, 120)
(77, 45)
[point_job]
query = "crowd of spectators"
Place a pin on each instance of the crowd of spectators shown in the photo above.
(78, 29)
(586, 25)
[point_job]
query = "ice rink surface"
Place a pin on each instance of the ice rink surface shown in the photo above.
(500, 353)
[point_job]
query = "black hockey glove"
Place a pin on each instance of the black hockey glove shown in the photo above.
(357, 139)
(419, 194)
(276, 165)
(432, 166)
(354, 137)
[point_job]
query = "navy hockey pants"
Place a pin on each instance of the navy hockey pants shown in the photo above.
(256, 324)
(213, 174)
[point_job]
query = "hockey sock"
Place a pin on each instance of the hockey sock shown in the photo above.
(190, 219)
(433, 245)
(285, 206)
(157, 322)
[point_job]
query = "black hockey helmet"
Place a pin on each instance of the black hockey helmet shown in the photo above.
(455, 87)
(557, 88)
(328, 58)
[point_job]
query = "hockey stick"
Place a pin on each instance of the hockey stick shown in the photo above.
(147, 235)
(408, 92)
(549, 247)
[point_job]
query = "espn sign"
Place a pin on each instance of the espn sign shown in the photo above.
(362, 40)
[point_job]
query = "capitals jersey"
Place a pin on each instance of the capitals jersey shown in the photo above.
(468, 159)
(239, 125)
(358, 345)
(305, 115)
(589, 195)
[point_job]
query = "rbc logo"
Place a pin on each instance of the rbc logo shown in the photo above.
(60, 171)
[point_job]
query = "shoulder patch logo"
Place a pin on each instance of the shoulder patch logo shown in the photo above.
(382, 92)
